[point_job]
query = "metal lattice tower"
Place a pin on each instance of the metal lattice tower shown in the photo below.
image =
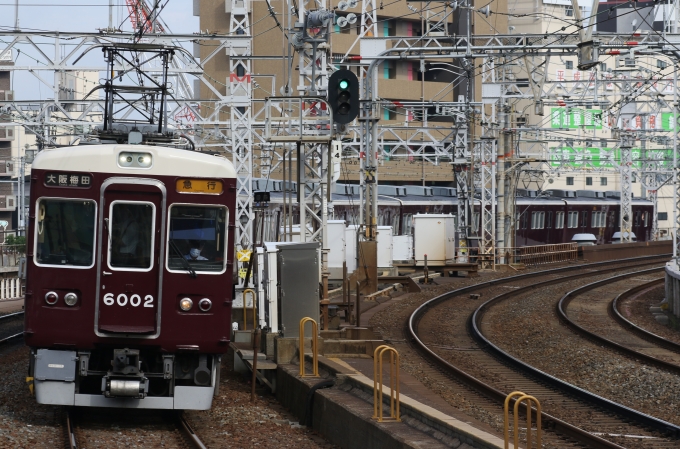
(239, 92)
(626, 171)
(312, 158)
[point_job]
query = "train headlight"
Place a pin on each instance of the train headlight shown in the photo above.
(125, 159)
(70, 299)
(51, 298)
(186, 304)
(129, 159)
(144, 160)
(204, 304)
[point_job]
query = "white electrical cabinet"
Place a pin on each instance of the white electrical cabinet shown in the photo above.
(402, 248)
(385, 246)
(351, 247)
(431, 236)
(336, 246)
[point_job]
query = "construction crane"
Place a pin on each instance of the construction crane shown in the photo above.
(147, 20)
(140, 17)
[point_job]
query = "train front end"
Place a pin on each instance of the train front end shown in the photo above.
(129, 276)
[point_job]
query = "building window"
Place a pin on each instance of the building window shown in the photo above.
(589, 181)
(570, 180)
(559, 220)
(661, 64)
(537, 220)
(603, 181)
(569, 65)
(390, 28)
(584, 222)
(548, 224)
(645, 217)
(569, 11)
(573, 220)
(390, 68)
(603, 143)
(523, 220)
(637, 218)
(390, 113)
(662, 216)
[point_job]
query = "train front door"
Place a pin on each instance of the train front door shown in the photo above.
(130, 255)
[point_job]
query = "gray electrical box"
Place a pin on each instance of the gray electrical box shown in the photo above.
(299, 284)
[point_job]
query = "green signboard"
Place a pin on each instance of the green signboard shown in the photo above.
(578, 157)
(576, 118)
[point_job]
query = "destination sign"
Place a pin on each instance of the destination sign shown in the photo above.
(55, 179)
(209, 186)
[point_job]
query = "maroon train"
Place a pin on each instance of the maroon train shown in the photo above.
(129, 276)
(548, 217)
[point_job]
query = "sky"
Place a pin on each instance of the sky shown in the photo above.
(77, 16)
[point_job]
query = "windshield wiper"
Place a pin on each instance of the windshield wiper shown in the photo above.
(185, 263)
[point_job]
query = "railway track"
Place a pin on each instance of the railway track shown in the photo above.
(589, 310)
(139, 428)
(11, 326)
(485, 374)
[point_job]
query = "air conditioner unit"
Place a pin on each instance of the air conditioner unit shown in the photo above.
(9, 167)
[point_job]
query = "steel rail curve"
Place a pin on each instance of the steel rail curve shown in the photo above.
(8, 317)
(634, 328)
(567, 298)
(71, 431)
(614, 407)
(189, 432)
(557, 424)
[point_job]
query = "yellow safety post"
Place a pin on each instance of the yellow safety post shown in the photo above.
(251, 291)
(315, 342)
(378, 384)
(529, 399)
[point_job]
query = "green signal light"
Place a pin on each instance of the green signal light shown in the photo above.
(344, 84)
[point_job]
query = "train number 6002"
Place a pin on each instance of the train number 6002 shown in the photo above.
(122, 300)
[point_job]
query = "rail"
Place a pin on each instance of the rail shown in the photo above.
(378, 384)
(558, 424)
(315, 348)
(245, 309)
(506, 419)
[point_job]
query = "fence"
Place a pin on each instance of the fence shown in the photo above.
(527, 255)
(543, 254)
(10, 288)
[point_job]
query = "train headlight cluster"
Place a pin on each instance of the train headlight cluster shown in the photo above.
(129, 159)
(186, 304)
(70, 299)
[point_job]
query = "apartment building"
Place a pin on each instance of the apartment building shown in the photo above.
(579, 138)
(398, 81)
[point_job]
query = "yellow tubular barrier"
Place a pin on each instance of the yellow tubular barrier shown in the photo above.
(251, 291)
(378, 384)
(315, 351)
(529, 399)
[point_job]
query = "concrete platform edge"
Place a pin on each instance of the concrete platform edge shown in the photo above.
(366, 433)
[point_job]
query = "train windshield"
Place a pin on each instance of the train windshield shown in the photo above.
(131, 235)
(65, 232)
(196, 238)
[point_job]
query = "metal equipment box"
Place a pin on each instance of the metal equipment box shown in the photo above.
(431, 238)
(299, 275)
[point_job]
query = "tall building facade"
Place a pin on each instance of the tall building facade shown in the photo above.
(398, 81)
